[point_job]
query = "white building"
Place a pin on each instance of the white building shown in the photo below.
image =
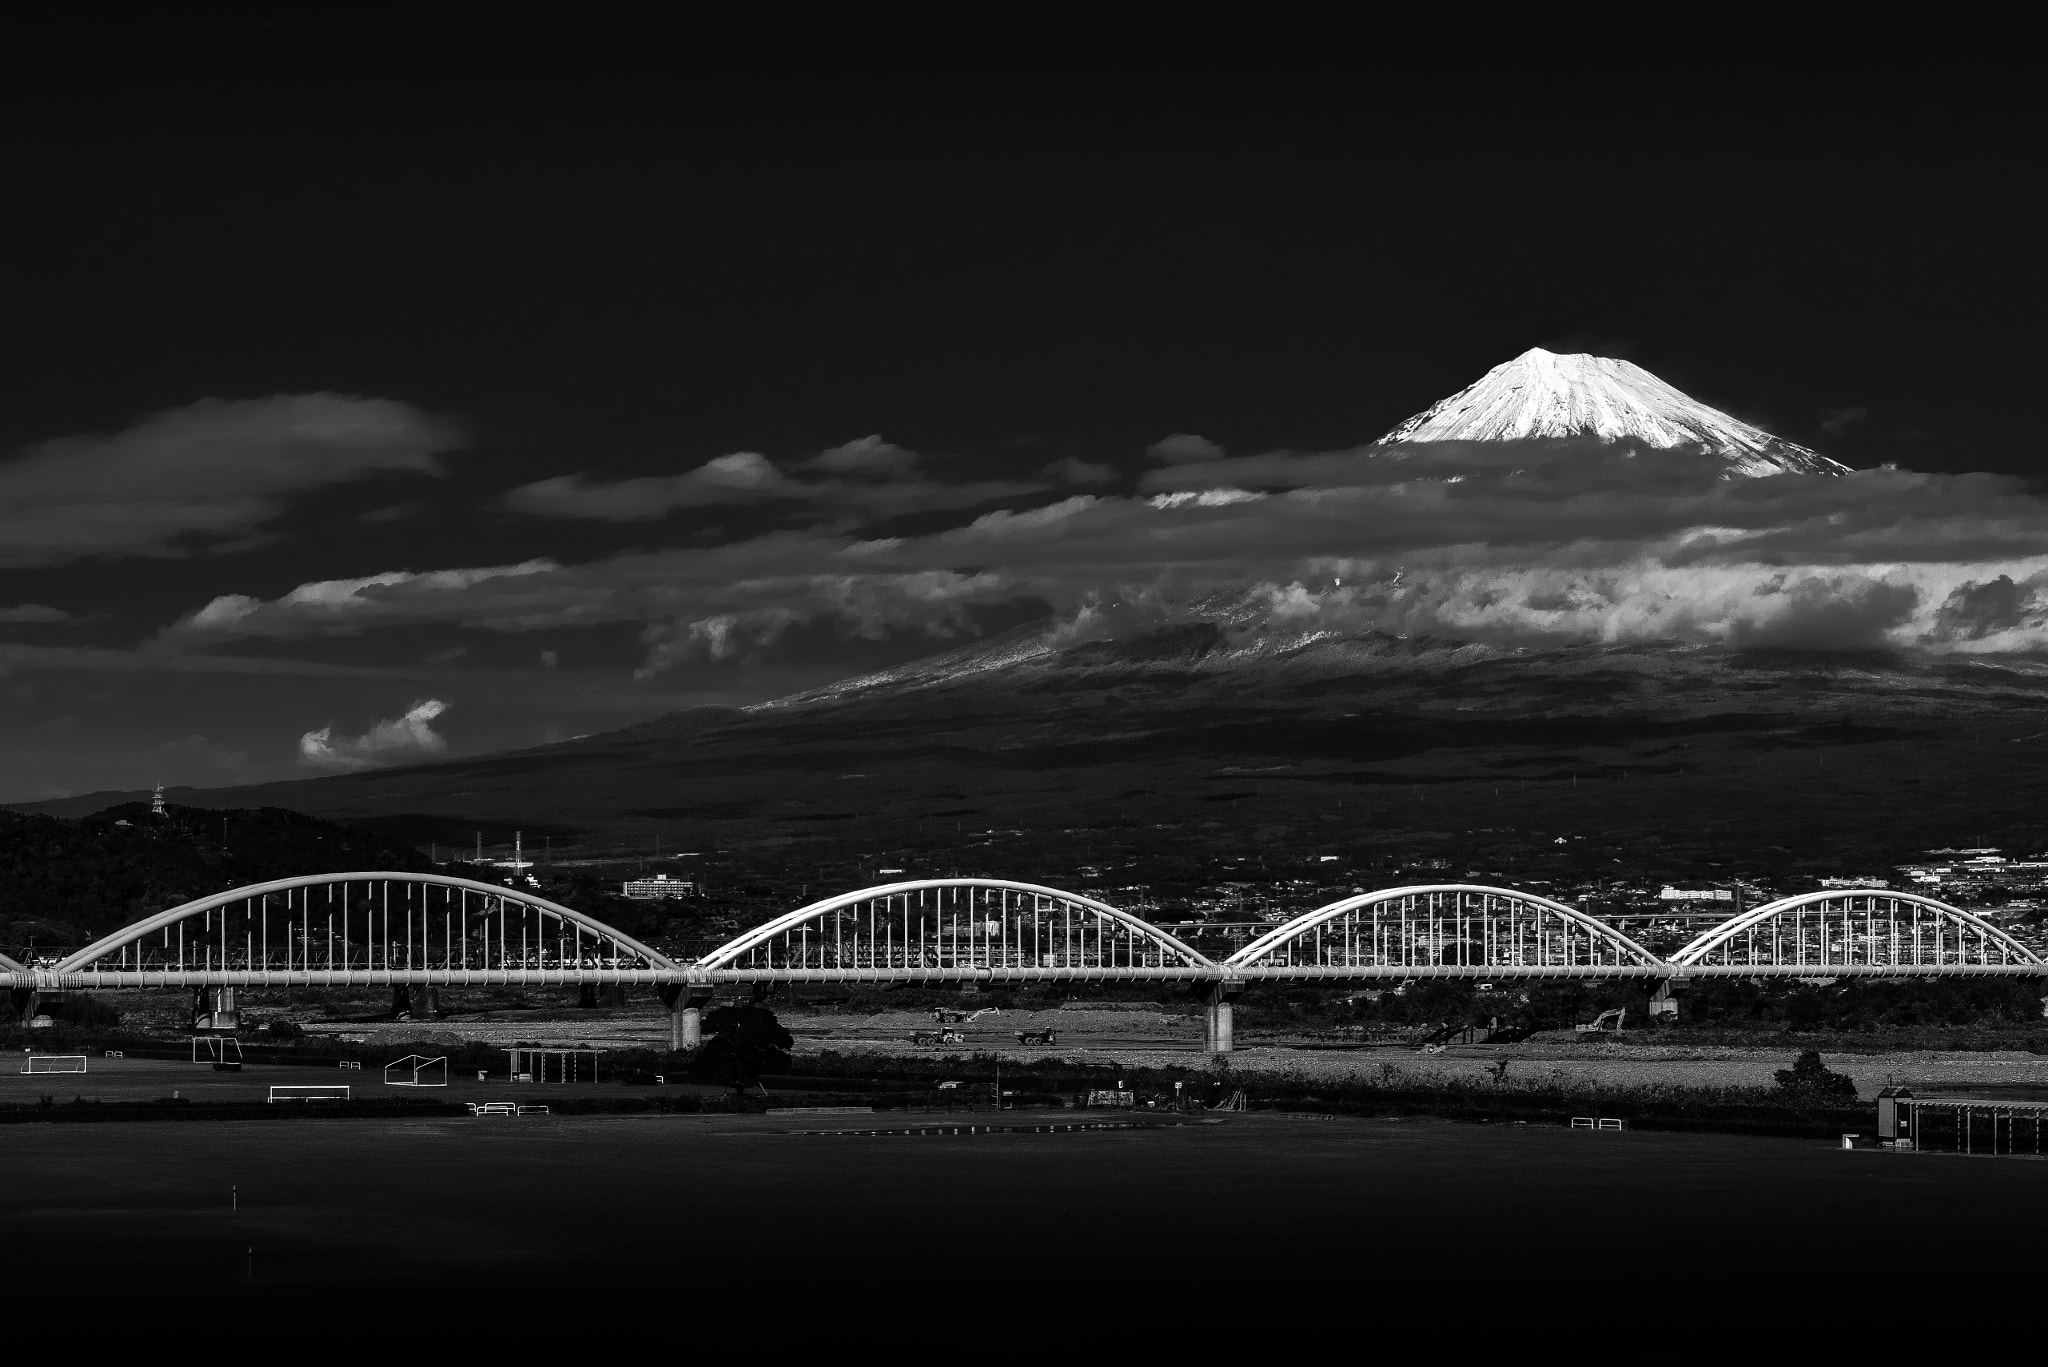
(659, 886)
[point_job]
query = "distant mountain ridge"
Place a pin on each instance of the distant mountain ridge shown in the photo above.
(1541, 394)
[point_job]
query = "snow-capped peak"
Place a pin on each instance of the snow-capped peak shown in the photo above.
(1542, 394)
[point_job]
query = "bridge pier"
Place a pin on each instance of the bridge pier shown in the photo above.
(401, 1003)
(1219, 1023)
(213, 1008)
(27, 1000)
(685, 1003)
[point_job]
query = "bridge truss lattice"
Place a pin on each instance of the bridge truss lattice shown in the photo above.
(1444, 930)
(401, 929)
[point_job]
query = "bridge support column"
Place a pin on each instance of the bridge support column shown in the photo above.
(1219, 1025)
(213, 1008)
(27, 1000)
(1664, 1001)
(401, 1003)
(685, 1003)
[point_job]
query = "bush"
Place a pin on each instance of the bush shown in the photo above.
(746, 1041)
(1810, 1079)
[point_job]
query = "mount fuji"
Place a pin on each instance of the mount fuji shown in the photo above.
(1541, 394)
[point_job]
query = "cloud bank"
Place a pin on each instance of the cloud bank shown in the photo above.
(864, 480)
(198, 476)
(1518, 543)
(409, 736)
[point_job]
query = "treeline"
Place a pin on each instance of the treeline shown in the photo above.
(1848, 1005)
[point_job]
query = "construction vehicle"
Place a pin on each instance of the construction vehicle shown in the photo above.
(941, 1016)
(1041, 1038)
(932, 1039)
(1606, 1023)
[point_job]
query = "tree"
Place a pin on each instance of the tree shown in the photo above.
(746, 1041)
(1813, 1080)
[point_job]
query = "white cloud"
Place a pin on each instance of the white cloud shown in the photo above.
(1184, 448)
(742, 477)
(410, 736)
(860, 480)
(35, 612)
(869, 456)
(1545, 545)
(204, 475)
(331, 605)
(1203, 498)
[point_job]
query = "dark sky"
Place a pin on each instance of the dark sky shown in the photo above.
(620, 258)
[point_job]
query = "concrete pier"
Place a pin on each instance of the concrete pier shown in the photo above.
(1219, 1023)
(685, 1003)
(213, 1008)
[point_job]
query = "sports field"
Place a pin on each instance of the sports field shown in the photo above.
(482, 1223)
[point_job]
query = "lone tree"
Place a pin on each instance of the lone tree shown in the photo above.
(1812, 1080)
(746, 1041)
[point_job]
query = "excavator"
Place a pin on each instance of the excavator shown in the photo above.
(941, 1016)
(1606, 1023)
(945, 1019)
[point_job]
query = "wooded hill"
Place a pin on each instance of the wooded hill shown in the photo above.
(68, 882)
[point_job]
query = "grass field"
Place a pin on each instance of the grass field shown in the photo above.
(1132, 1038)
(536, 1226)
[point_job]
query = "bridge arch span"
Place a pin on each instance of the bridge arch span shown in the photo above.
(1444, 930)
(1857, 931)
(365, 927)
(955, 929)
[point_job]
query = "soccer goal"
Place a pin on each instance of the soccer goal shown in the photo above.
(313, 1093)
(224, 1052)
(533, 1064)
(53, 1063)
(417, 1070)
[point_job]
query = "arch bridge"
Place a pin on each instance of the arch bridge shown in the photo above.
(412, 931)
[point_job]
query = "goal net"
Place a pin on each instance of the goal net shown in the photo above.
(416, 1070)
(216, 1049)
(54, 1063)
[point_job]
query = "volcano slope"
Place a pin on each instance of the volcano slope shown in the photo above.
(1019, 757)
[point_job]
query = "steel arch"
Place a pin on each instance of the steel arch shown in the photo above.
(1515, 938)
(989, 927)
(89, 962)
(8, 965)
(1854, 948)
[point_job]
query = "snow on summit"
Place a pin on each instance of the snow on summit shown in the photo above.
(1542, 394)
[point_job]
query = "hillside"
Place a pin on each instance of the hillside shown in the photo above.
(69, 881)
(1190, 742)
